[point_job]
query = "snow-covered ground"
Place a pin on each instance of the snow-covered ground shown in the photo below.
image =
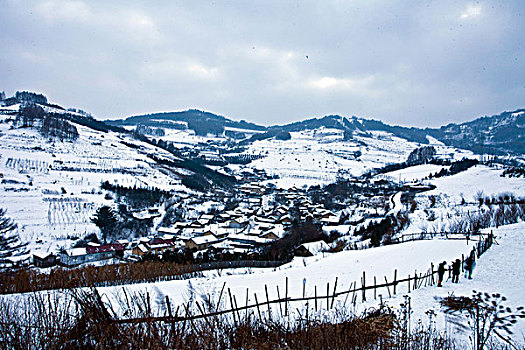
(499, 270)
(479, 178)
(51, 189)
(413, 173)
(316, 157)
(346, 266)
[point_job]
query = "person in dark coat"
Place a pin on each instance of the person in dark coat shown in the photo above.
(469, 266)
(456, 266)
(473, 254)
(441, 273)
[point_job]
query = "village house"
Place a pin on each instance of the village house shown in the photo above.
(140, 250)
(157, 245)
(237, 223)
(248, 240)
(191, 232)
(330, 220)
(201, 242)
(169, 231)
(252, 189)
(286, 220)
(148, 214)
(160, 245)
(223, 217)
(271, 235)
(91, 253)
(208, 217)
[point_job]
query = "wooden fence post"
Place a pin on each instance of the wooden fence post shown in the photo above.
(333, 295)
(246, 315)
(354, 296)
(170, 315)
(202, 313)
(328, 296)
(347, 294)
(220, 296)
(268, 301)
(315, 297)
(257, 304)
(233, 307)
(395, 281)
(388, 288)
(286, 298)
(280, 301)
(375, 291)
(168, 306)
(408, 283)
(363, 283)
(237, 309)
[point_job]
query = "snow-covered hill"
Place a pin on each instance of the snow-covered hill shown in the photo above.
(51, 188)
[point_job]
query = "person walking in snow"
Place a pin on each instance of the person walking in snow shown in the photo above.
(469, 266)
(473, 254)
(456, 266)
(441, 273)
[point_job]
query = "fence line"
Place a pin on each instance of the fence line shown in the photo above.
(413, 282)
(409, 237)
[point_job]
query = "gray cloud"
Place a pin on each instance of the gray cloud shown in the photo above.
(410, 63)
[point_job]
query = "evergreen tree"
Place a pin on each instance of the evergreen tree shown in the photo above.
(10, 244)
(105, 219)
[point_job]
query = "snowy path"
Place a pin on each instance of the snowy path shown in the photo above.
(395, 203)
(500, 270)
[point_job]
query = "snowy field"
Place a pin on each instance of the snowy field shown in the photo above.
(413, 173)
(479, 178)
(346, 266)
(499, 270)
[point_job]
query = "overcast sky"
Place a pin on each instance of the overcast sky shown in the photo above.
(420, 63)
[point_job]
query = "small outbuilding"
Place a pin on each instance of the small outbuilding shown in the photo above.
(41, 259)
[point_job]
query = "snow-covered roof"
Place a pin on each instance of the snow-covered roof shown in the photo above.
(247, 238)
(142, 248)
(330, 220)
(76, 252)
(168, 230)
(105, 248)
(204, 239)
(42, 255)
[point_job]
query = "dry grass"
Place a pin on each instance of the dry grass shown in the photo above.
(31, 280)
(79, 319)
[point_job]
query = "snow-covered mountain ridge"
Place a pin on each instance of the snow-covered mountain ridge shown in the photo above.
(499, 134)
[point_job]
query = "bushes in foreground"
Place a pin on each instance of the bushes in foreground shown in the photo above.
(80, 319)
(83, 319)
